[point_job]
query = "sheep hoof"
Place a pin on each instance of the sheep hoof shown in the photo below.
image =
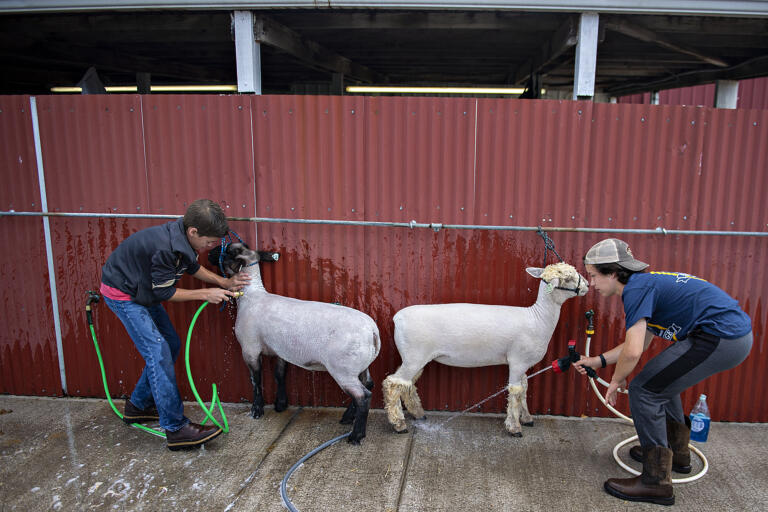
(354, 440)
(516, 434)
(400, 428)
(257, 411)
(281, 405)
(528, 424)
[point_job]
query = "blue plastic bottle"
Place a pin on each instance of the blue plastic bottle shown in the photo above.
(700, 420)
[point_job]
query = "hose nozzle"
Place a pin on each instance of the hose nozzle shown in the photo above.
(93, 298)
(563, 364)
(590, 322)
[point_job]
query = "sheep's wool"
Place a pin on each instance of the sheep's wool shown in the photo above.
(561, 271)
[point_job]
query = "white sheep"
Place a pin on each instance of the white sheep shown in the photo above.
(472, 335)
(313, 335)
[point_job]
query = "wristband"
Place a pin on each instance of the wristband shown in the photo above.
(602, 361)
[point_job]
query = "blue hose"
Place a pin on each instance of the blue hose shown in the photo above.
(287, 502)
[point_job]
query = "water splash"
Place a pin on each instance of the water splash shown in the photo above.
(481, 402)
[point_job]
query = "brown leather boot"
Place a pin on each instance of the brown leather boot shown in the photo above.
(654, 485)
(678, 436)
(190, 435)
(132, 414)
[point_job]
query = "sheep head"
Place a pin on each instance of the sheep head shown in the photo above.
(562, 276)
(236, 256)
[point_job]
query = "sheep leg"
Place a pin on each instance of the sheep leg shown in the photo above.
(512, 423)
(257, 408)
(411, 399)
(393, 388)
(525, 417)
(362, 401)
(349, 414)
(281, 400)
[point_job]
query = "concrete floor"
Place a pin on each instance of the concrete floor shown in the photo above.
(75, 454)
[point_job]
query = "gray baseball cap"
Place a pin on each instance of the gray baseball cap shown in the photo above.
(613, 250)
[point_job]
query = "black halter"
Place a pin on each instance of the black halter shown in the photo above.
(574, 290)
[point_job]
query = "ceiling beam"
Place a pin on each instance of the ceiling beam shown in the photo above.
(743, 8)
(552, 54)
(106, 61)
(751, 68)
(643, 34)
(279, 36)
(562, 40)
(421, 20)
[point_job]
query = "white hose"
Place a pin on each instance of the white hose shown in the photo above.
(616, 448)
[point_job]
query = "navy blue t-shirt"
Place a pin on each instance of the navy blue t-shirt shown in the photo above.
(674, 304)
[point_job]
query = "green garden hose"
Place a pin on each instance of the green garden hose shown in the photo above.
(94, 297)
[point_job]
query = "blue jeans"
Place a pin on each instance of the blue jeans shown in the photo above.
(158, 343)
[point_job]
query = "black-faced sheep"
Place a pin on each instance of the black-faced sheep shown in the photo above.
(313, 335)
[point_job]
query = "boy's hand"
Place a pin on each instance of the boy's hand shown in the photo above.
(613, 389)
(592, 362)
(217, 295)
(237, 281)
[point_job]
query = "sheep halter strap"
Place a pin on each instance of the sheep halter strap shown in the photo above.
(574, 290)
(225, 241)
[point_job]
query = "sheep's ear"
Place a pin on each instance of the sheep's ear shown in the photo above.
(535, 271)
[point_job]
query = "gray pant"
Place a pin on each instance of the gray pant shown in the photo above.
(654, 394)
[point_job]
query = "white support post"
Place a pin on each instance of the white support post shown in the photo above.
(726, 93)
(247, 53)
(586, 57)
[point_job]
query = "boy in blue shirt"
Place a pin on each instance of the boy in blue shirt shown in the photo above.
(710, 334)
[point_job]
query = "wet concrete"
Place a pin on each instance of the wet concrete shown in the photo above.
(75, 454)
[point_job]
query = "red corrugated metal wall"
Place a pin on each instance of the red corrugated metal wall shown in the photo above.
(443, 160)
(28, 356)
(753, 94)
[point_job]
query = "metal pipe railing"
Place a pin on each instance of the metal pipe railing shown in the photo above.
(412, 224)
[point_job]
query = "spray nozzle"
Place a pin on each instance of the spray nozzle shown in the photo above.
(564, 363)
(590, 322)
(93, 297)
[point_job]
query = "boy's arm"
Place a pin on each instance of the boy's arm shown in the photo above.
(235, 282)
(212, 295)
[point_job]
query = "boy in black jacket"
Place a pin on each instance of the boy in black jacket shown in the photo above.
(137, 277)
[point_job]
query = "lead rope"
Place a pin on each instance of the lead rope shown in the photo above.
(549, 245)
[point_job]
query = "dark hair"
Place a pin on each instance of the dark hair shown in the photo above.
(622, 274)
(208, 217)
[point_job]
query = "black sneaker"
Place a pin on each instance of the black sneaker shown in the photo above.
(132, 414)
(191, 435)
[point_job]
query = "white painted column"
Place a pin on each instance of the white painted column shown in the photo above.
(48, 243)
(586, 57)
(247, 53)
(726, 93)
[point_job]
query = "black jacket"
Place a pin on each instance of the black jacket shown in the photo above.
(147, 264)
